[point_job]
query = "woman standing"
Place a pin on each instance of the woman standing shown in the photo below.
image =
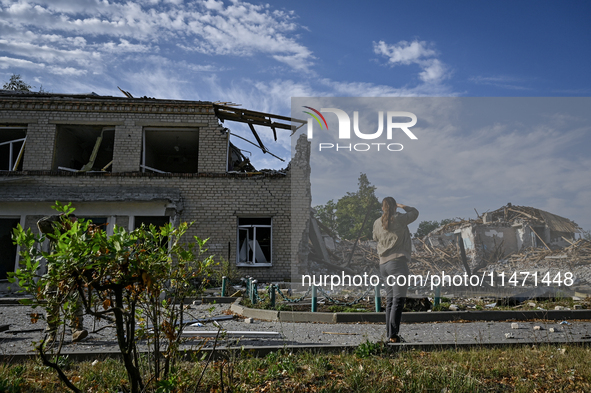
(394, 248)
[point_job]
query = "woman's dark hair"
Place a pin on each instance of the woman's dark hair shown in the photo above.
(389, 208)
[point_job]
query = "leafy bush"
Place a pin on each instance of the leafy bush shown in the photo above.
(135, 278)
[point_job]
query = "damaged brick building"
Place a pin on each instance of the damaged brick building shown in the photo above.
(505, 231)
(128, 161)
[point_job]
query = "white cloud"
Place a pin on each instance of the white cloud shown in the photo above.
(66, 71)
(416, 52)
(403, 52)
(502, 81)
(125, 46)
(433, 71)
(211, 27)
(9, 62)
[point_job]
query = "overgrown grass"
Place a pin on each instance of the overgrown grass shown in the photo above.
(370, 368)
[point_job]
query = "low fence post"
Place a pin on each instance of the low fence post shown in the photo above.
(248, 287)
(437, 299)
(314, 299)
(224, 286)
(272, 295)
(378, 298)
(254, 292)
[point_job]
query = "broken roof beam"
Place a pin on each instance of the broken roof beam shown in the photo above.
(254, 144)
(261, 145)
(255, 118)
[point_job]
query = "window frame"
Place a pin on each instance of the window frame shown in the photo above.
(15, 157)
(247, 227)
(21, 219)
(147, 129)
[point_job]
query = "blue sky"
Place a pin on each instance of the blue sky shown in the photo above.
(261, 54)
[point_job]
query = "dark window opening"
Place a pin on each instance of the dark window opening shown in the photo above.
(172, 150)
(157, 221)
(7, 249)
(539, 231)
(254, 241)
(83, 148)
(100, 222)
(12, 146)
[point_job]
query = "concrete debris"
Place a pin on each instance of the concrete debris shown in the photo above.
(509, 335)
(537, 328)
(551, 330)
(514, 325)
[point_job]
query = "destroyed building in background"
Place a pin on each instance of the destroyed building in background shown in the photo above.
(510, 239)
(128, 161)
(505, 231)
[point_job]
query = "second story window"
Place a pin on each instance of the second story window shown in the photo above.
(12, 147)
(84, 148)
(170, 150)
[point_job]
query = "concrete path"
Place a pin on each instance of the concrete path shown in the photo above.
(23, 333)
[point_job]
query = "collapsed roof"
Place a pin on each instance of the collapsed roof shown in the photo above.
(510, 215)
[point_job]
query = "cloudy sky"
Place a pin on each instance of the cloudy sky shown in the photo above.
(260, 55)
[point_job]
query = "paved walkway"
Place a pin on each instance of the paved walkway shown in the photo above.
(22, 333)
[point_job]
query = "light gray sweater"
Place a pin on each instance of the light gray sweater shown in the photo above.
(395, 241)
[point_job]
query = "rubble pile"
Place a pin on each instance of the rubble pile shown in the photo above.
(458, 223)
(424, 259)
(506, 241)
(575, 258)
(433, 260)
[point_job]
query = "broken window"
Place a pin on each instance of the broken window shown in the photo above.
(170, 150)
(12, 146)
(157, 221)
(254, 241)
(84, 148)
(238, 162)
(7, 249)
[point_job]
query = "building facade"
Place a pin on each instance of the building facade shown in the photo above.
(127, 161)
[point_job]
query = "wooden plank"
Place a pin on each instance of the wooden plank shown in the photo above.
(210, 333)
(539, 237)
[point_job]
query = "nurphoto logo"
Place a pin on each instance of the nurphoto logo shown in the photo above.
(344, 130)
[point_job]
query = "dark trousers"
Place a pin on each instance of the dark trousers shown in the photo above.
(396, 294)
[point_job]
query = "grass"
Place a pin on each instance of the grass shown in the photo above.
(370, 368)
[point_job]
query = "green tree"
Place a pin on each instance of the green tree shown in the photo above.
(350, 211)
(136, 279)
(326, 214)
(426, 227)
(16, 83)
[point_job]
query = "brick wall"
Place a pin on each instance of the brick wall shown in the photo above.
(212, 199)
